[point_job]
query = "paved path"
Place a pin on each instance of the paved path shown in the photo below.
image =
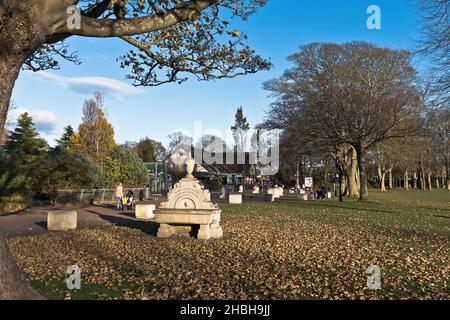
(34, 221)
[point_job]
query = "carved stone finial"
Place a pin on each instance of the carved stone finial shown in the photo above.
(189, 165)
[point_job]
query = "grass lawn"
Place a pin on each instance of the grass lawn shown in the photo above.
(285, 250)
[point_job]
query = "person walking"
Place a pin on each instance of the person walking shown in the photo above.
(119, 196)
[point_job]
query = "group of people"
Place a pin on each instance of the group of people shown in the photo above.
(124, 202)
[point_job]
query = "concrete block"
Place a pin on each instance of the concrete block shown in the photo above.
(62, 220)
(235, 198)
(145, 211)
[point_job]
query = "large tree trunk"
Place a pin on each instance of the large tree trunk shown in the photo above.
(9, 70)
(340, 171)
(297, 174)
(447, 169)
(13, 284)
(381, 173)
(353, 176)
(406, 181)
(24, 26)
(415, 179)
(422, 176)
(430, 184)
(361, 156)
(391, 180)
(383, 182)
(382, 177)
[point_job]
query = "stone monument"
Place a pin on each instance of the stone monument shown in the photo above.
(189, 204)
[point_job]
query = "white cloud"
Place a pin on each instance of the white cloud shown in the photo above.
(87, 85)
(45, 121)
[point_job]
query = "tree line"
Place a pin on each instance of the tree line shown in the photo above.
(86, 158)
(361, 113)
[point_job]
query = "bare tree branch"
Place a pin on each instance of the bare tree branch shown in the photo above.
(91, 27)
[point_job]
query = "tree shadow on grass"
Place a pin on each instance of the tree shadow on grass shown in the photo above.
(343, 207)
(443, 217)
(404, 208)
(147, 227)
(426, 208)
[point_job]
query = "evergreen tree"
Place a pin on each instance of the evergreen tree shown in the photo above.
(68, 171)
(150, 150)
(129, 167)
(65, 138)
(25, 144)
(20, 170)
(15, 192)
(124, 165)
(240, 129)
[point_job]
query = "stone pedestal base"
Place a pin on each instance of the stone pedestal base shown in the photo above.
(61, 220)
(164, 231)
(208, 222)
(204, 233)
(216, 230)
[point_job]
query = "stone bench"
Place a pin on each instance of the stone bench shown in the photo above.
(61, 220)
(235, 198)
(145, 211)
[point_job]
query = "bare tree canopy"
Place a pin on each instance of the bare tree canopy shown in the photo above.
(356, 94)
(434, 44)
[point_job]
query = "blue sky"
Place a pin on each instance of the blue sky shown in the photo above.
(55, 98)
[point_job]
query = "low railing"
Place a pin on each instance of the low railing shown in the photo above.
(88, 196)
